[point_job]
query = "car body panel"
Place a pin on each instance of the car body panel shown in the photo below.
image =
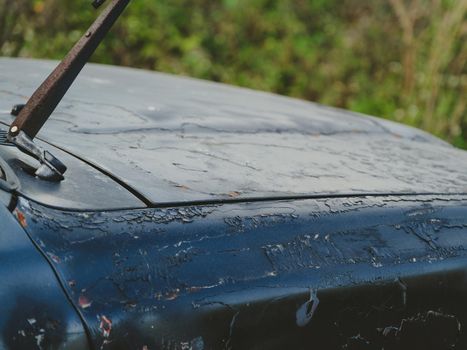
(180, 140)
(266, 275)
(199, 216)
(84, 188)
(34, 310)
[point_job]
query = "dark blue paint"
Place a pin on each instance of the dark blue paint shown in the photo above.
(34, 310)
(244, 276)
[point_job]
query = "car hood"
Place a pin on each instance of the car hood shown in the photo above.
(180, 140)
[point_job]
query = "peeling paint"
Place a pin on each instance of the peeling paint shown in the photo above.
(84, 302)
(212, 146)
(307, 310)
(236, 273)
(105, 326)
(21, 218)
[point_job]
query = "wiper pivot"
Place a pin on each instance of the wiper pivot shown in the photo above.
(50, 169)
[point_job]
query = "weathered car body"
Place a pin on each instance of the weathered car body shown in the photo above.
(195, 215)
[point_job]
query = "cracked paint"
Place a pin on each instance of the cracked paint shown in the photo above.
(229, 270)
(208, 146)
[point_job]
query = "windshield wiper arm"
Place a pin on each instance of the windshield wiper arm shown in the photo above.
(33, 115)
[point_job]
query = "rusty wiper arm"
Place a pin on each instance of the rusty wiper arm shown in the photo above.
(33, 115)
(46, 98)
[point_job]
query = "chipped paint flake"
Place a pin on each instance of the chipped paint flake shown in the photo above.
(21, 218)
(54, 257)
(84, 302)
(306, 311)
(105, 326)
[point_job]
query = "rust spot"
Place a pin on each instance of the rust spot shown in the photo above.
(84, 302)
(183, 187)
(234, 194)
(105, 326)
(21, 218)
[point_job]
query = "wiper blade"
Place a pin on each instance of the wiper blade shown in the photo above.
(33, 115)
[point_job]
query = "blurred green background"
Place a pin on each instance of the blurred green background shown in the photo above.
(399, 59)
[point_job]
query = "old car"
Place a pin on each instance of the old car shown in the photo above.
(159, 212)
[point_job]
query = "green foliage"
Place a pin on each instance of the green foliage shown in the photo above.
(399, 59)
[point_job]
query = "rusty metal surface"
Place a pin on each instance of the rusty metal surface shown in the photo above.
(362, 273)
(179, 140)
(46, 98)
